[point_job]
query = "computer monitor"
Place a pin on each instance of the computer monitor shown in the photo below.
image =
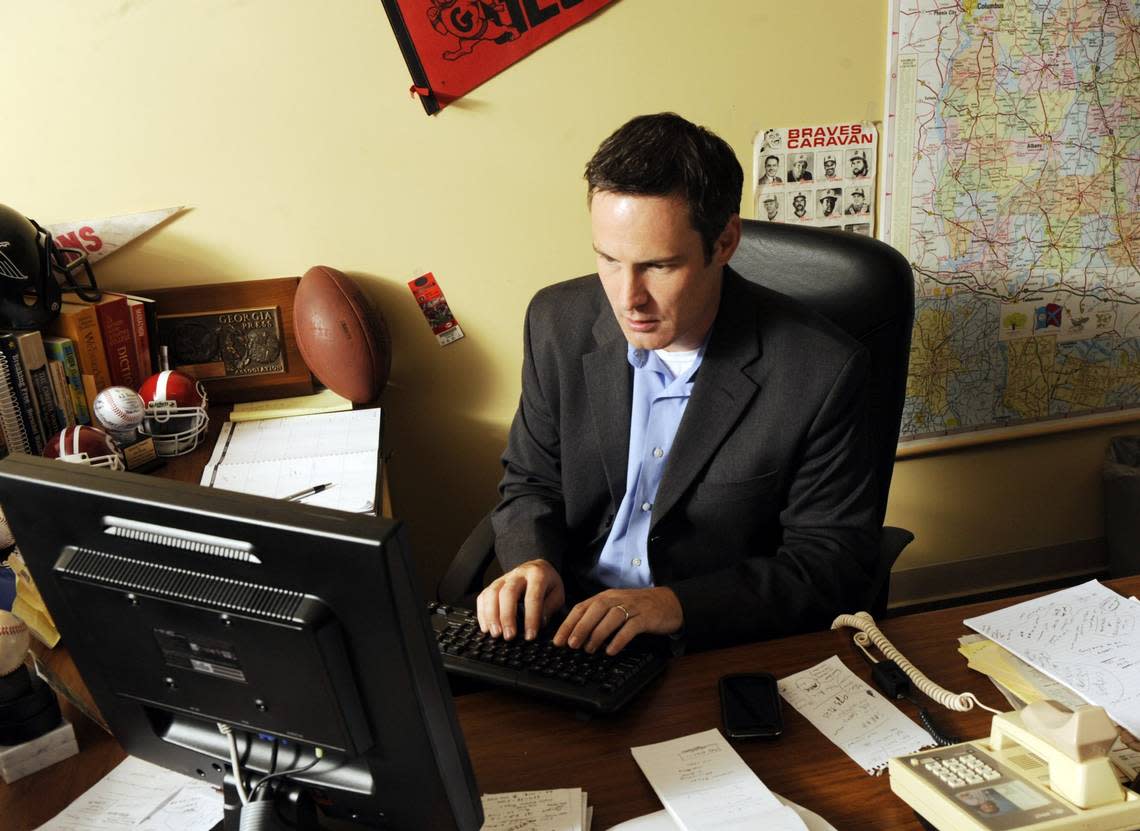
(298, 627)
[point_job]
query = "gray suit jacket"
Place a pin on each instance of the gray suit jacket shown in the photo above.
(765, 520)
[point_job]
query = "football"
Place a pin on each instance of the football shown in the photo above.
(342, 337)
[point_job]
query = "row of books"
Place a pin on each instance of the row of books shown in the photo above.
(49, 378)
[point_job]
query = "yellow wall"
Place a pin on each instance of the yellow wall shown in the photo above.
(288, 128)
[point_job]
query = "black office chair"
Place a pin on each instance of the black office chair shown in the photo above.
(860, 284)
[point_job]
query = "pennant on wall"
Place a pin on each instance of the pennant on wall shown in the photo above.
(452, 46)
(100, 237)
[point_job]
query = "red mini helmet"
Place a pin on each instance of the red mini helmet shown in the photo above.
(175, 415)
(85, 446)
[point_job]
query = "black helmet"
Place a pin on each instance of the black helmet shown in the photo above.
(29, 259)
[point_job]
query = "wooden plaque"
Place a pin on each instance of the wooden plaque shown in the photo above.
(236, 338)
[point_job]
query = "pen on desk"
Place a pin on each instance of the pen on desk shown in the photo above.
(293, 497)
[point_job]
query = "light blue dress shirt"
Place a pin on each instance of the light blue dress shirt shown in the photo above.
(659, 401)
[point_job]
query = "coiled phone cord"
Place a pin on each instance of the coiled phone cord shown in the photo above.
(870, 633)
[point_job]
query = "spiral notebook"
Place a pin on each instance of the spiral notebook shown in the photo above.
(11, 423)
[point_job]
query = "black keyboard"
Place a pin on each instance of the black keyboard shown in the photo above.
(597, 683)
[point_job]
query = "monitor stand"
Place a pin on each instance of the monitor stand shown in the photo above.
(288, 808)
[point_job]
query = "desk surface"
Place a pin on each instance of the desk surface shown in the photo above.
(517, 743)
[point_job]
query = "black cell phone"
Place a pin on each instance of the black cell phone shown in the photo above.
(750, 706)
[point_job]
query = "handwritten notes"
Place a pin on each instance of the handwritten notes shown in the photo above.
(704, 785)
(557, 810)
(858, 720)
(1086, 637)
(142, 797)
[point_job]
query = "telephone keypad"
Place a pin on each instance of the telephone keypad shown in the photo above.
(959, 771)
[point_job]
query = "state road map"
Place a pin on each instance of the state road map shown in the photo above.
(1013, 134)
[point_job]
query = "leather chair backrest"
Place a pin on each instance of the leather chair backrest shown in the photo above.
(862, 285)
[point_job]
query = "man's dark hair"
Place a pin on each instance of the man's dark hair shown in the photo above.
(662, 155)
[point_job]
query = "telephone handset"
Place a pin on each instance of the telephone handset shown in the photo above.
(1044, 767)
(870, 633)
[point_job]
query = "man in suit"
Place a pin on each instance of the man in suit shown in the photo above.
(690, 455)
(771, 172)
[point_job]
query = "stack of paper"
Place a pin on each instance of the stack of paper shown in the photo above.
(558, 810)
(1087, 619)
(1086, 637)
(705, 785)
(1020, 683)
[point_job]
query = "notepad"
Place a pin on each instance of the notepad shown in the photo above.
(564, 809)
(861, 723)
(325, 401)
(705, 786)
(280, 456)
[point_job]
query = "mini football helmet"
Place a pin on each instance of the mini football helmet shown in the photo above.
(175, 412)
(85, 445)
(29, 262)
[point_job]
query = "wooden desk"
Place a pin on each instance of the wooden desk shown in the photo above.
(517, 743)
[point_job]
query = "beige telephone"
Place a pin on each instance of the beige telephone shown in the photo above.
(1043, 768)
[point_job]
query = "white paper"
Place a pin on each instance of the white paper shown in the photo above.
(1045, 686)
(705, 786)
(1086, 637)
(277, 457)
(661, 821)
(555, 810)
(858, 720)
(139, 796)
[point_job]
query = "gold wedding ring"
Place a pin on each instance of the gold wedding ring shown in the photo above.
(624, 611)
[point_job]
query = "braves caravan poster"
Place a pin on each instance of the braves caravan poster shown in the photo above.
(816, 175)
(452, 46)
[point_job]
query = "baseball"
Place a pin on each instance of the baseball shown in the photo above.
(6, 538)
(14, 640)
(119, 409)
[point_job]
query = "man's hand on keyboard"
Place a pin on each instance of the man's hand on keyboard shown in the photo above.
(537, 583)
(622, 613)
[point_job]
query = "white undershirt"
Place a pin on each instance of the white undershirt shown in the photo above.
(677, 361)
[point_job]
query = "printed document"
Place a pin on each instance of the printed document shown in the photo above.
(705, 786)
(278, 457)
(1086, 637)
(139, 796)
